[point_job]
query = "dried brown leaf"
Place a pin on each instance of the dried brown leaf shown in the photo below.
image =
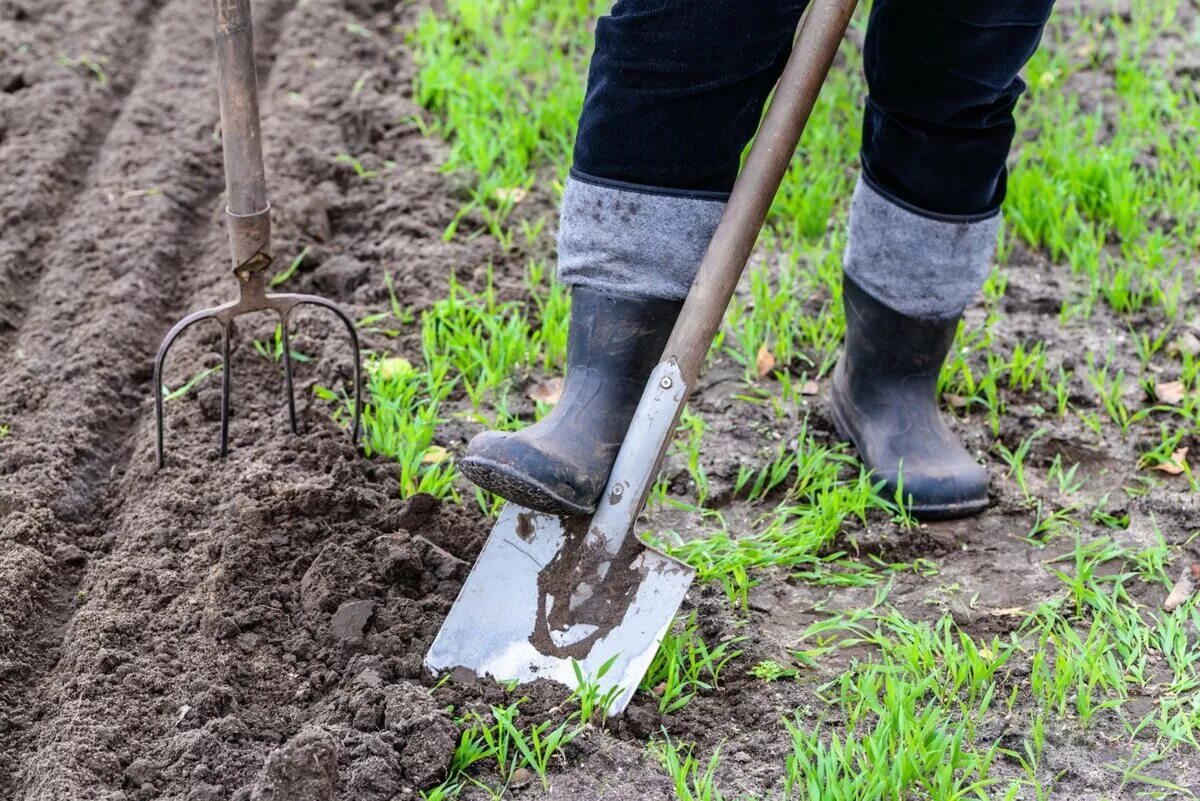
(1169, 392)
(548, 391)
(1182, 590)
(514, 193)
(1008, 611)
(435, 454)
(765, 361)
(1176, 464)
(1187, 342)
(954, 401)
(810, 388)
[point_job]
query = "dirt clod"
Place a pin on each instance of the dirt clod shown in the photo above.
(304, 767)
(425, 727)
(351, 620)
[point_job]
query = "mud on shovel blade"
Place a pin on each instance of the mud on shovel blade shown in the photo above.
(547, 590)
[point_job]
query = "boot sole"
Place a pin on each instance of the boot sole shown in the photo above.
(520, 489)
(943, 511)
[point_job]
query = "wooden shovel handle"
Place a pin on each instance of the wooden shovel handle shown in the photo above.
(812, 55)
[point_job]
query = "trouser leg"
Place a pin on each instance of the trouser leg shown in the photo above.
(937, 129)
(675, 90)
(943, 82)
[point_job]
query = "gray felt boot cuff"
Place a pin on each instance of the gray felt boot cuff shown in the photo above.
(633, 242)
(919, 266)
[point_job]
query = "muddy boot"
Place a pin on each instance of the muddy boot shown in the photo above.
(884, 401)
(561, 464)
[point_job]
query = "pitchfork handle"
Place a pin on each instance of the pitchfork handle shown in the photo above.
(812, 55)
(241, 135)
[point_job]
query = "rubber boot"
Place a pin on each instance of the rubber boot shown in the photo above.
(884, 401)
(560, 465)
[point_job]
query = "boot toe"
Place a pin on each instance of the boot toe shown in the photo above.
(957, 489)
(514, 468)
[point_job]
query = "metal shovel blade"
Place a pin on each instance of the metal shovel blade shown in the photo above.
(549, 590)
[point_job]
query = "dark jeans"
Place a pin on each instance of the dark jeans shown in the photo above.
(676, 89)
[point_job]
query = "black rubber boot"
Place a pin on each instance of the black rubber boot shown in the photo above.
(884, 401)
(561, 464)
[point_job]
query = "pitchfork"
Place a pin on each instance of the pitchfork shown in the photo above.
(248, 220)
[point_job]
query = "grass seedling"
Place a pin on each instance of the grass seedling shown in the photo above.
(592, 701)
(89, 63)
(362, 172)
(693, 779)
(1068, 484)
(1016, 461)
(685, 665)
(534, 747)
(284, 276)
(174, 394)
(903, 517)
(273, 351)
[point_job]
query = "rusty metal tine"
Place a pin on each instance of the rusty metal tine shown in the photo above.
(226, 371)
(287, 368)
(315, 300)
(160, 360)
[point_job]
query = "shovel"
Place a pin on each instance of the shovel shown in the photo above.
(579, 599)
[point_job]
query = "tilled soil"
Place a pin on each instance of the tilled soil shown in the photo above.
(252, 627)
(163, 633)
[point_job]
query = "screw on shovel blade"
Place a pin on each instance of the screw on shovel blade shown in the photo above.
(254, 298)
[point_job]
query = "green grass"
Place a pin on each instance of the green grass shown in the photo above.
(501, 743)
(824, 490)
(493, 747)
(685, 666)
(504, 81)
(693, 779)
(189, 385)
(1104, 197)
(474, 348)
(896, 742)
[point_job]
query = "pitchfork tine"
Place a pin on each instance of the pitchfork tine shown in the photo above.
(248, 219)
(160, 359)
(316, 300)
(287, 369)
(226, 373)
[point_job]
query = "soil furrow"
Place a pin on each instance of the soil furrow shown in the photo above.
(63, 81)
(205, 608)
(69, 398)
